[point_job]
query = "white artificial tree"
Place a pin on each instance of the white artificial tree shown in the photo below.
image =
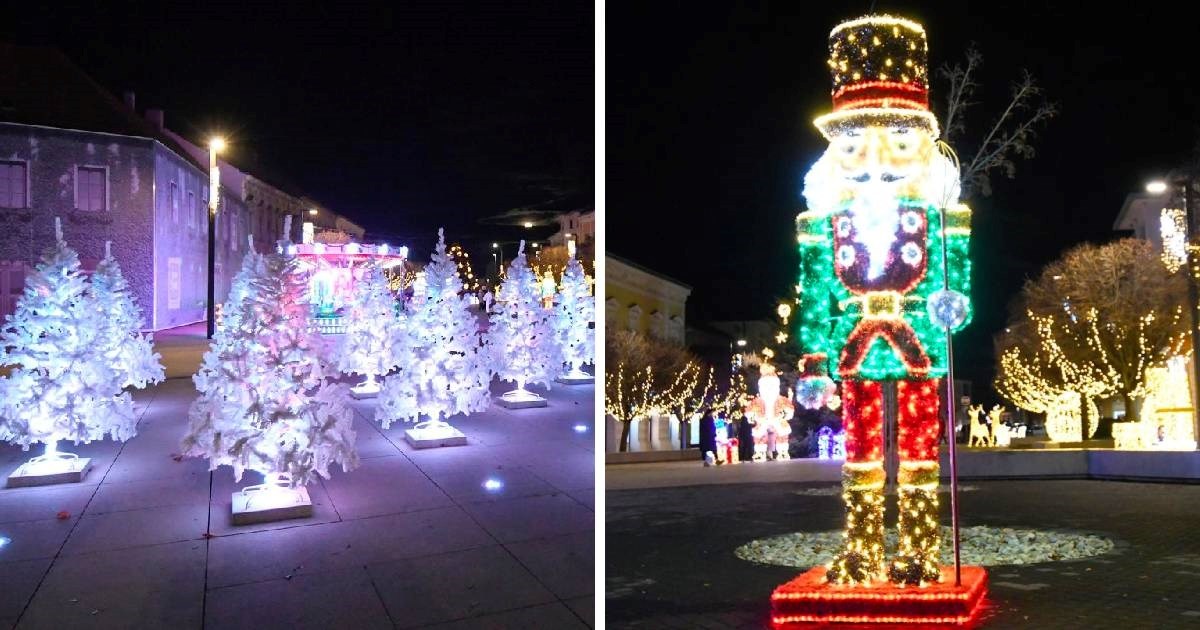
(370, 322)
(521, 336)
(441, 368)
(264, 403)
(130, 353)
(61, 387)
(575, 310)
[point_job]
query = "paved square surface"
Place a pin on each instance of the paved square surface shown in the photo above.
(670, 551)
(410, 539)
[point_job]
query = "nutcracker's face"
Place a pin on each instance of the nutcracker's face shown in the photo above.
(874, 161)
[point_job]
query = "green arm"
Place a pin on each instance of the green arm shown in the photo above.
(816, 273)
(958, 240)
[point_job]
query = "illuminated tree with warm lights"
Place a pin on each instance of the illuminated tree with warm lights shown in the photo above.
(462, 262)
(638, 377)
(264, 403)
(1092, 323)
(694, 390)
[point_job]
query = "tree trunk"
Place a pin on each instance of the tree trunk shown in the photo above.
(1131, 407)
(624, 447)
(685, 433)
(1083, 418)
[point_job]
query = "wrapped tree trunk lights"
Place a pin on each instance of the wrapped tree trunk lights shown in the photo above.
(884, 276)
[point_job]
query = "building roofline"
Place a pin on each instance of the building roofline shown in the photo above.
(626, 261)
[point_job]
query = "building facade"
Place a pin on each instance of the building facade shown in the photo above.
(644, 301)
(71, 150)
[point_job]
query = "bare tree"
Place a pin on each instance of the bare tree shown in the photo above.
(639, 376)
(1094, 321)
(1011, 135)
(693, 391)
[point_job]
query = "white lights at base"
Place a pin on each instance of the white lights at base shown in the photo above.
(52, 467)
(581, 428)
(521, 398)
(433, 434)
(274, 499)
(493, 484)
(4, 540)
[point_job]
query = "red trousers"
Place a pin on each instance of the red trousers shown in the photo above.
(919, 426)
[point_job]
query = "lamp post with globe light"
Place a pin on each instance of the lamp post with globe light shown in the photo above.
(1184, 183)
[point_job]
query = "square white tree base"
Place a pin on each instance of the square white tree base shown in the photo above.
(576, 379)
(363, 394)
(275, 504)
(50, 472)
(520, 399)
(434, 437)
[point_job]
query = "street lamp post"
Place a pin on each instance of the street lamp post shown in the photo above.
(215, 146)
(1185, 182)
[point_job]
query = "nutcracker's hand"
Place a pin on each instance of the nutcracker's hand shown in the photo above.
(947, 308)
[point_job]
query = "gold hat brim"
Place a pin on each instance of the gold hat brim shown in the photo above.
(830, 124)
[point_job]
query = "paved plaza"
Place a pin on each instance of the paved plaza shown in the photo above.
(670, 546)
(410, 539)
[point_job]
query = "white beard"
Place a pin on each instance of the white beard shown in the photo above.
(876, 220)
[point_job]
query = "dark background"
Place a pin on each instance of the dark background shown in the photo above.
(403, 118)
(709, 110)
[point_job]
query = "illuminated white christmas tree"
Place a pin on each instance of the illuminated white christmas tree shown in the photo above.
(521, 335)
(574, 313)
(370, 321)
(441, 370)
(130, 353)
(61, 387)
(264, 403)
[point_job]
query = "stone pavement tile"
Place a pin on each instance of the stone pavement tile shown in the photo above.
(18, 580)
(586, 496)
(456, 585)
(274, 554)
(158, 586)
(150, 460)
(469, 486)
(571, 470)
(190, 489)
(43, 502)
(382, 485)
(221, 505)
(545, 616)
(565, 564)
(455, 459)
(533, 517)
(584, 608)
(34, 539)
(137, 528)
(371, 443)
(337, 599)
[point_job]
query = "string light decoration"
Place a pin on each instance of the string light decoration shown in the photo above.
(1166, 419)
(884, 274)
(1097, 321)
(462, 262)
(871, 243)
(1173, 229)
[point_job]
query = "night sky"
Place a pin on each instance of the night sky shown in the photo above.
(709, 112)
(402, 119)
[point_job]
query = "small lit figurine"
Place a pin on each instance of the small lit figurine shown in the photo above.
(998, 431)
(769, 412)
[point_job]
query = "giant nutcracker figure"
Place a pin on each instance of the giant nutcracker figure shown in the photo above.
(881, 280)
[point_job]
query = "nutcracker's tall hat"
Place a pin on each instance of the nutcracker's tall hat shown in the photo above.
(880, 75)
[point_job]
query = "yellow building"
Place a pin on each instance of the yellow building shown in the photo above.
(642, 300)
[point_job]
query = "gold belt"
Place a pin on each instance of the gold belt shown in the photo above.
(880, 304)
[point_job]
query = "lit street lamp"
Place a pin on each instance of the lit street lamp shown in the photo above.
(215, 146)
(1184, 182)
